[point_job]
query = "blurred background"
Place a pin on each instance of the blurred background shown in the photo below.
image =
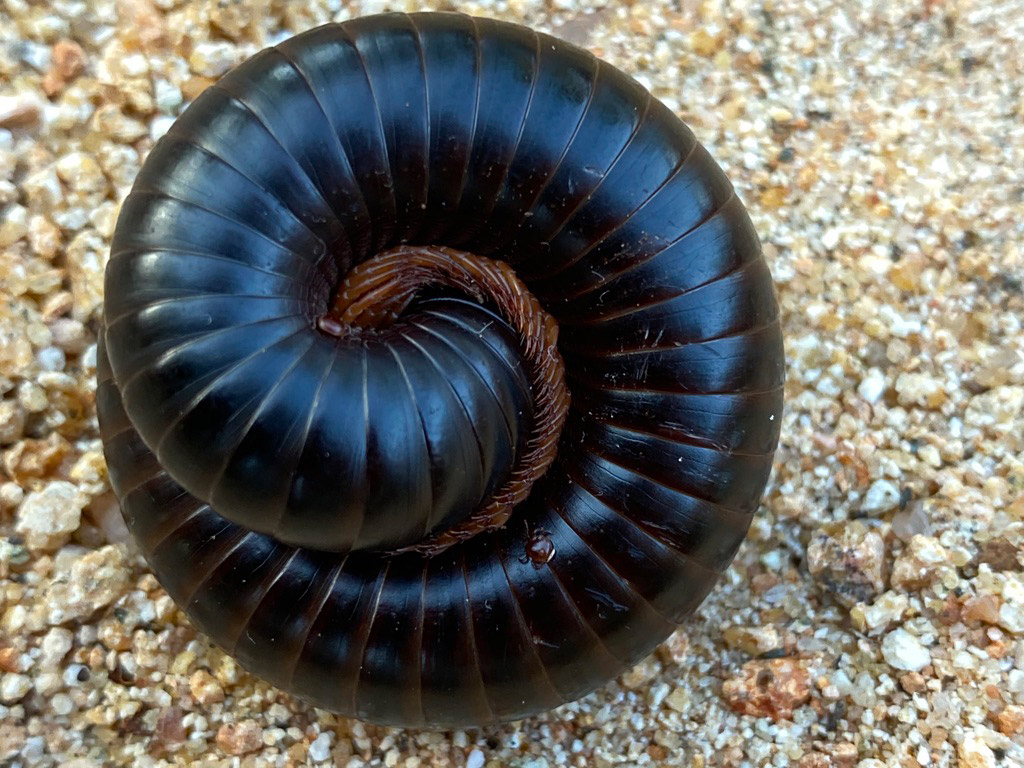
(875, 617)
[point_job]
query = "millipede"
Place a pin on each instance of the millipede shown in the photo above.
(441, 370)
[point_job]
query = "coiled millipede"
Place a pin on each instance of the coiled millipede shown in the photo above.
(333, 405)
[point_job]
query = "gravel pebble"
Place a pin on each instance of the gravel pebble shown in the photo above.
(773, 688)
(213, 59)
(13, 687)
(92, 581)
(975, 753)
(19, 111)
(902, 650)
(917, 567)
(847, 561)
(46, 518)
(320, 748)
(882, 496)
(240, 738)
(54, 647)
(12, 421)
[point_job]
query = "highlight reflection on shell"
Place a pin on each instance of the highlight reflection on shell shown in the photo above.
(271, 471)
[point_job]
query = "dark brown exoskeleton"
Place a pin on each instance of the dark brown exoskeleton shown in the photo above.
(441, 372)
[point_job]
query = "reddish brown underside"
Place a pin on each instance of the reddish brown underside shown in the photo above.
(375, 293)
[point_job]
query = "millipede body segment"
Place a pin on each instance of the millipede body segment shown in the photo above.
(441, 370)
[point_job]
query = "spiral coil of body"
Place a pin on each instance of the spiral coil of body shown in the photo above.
(275, 475)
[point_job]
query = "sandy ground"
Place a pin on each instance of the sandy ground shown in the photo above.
(876, 614)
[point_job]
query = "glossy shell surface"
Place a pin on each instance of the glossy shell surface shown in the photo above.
(267, 469)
